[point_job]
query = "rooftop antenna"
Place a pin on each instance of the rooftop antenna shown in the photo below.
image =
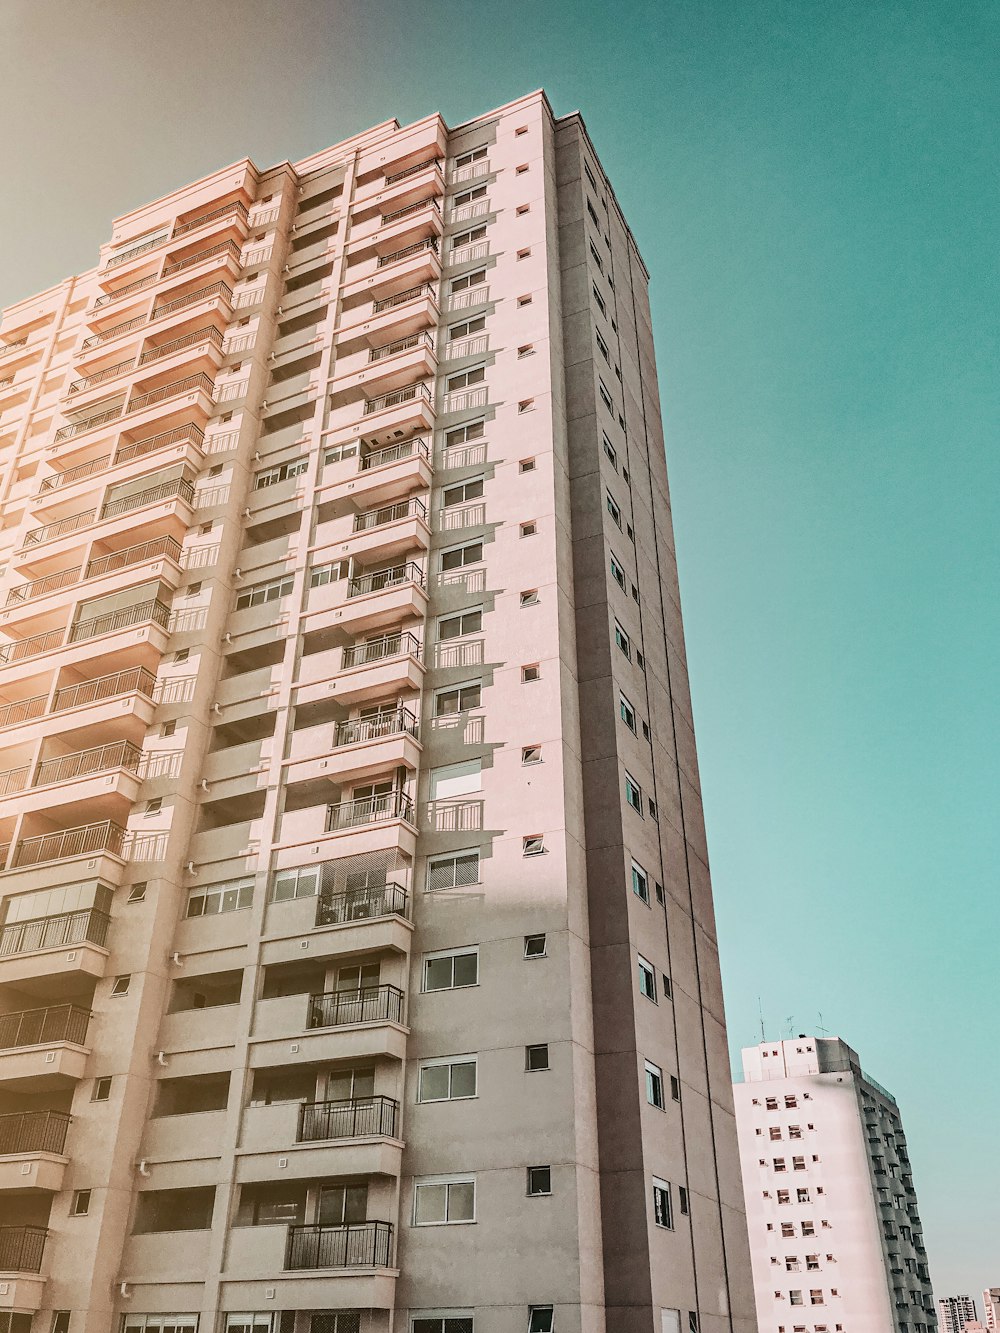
(760, 1011)
(789, 1021)
(820, 1027)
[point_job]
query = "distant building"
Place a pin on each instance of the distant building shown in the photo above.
(835, 1235)
(956, 1313)
(991, 1308)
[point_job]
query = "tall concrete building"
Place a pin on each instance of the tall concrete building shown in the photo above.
(835, 1234)
(342, 670)
(991, 1308)
(955, 1313)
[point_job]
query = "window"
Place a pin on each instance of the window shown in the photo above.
(137, 892)
(321, 575)
(802, 1196)
(633, 793)
(599, 299)
(588, 173)
(60, 1321)
(272, 475)
(682, 1199)
(524, 253)
(121, 984)
(521, 169)
(461, 779)
(467, 159)
(525, 405)
(529, 597)
(303, 882)
(81, 1203)
(159, 1323)
(795, 1297)
(531, 673)
(647, 980)
(451, 970)
(640, 883)
(534, 845)
(235, 895)
(524, 300)
(526, 465)
(668, 985)
(779, 1164)
(264, 592)
(193, 589)
(534, 946)
(675, 1087)
(521, 129)
(531, 754)
(459, 556)
(469, 237)
(463, 492)
(458, 698)
(465, 379)
(614, 509)
(469, 280)
(539, 1180)
(472, 430)
(536, 1058)
(529, 529)
(623, 641)
(154, 806)
(596, 257)
(618, 574)
(593, 213)
(663, 1213)
(448, 1080)
(815, 1298)
(182, 655)
(101, 1091)
(466, 328)
(611, 453)
(469, 196)
(453, 870)
(526, 349)
(540, 1319)
(452, 1321)
(440, 1202)
(463, 622)
(168, 728)
(654, 1086)
(605, 395)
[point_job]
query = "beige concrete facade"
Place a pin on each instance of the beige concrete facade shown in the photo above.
(357, 958)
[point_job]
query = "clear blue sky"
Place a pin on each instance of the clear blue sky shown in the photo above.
(814, 188)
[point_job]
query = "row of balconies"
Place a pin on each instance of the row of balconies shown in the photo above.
(147, 612)
(199, 383)
(104, 564)
(132, 680)
(112, 506)
(207, 334)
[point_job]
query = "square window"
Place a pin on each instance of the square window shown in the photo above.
(520, 170)
(137, 893)
(536, 1058)
(206, 528)
(121, 984)
(182, 654)
(534, 946)
(532, 846)
(521, 129)
(539, 1180)
(81, 1203)
(540, 1319)
(529, 529)
(525, 300)
(526, 465)
(60, 1321)
(154, 806)
(523, 254)
(453, 870)
(102, 1090)
(168, 728)
(461, 623)
(529, 597)
(526, 405)
(531, 673)
(526, 349)
(458, 699)
(522, 209)
(451, 971)
(531, 754)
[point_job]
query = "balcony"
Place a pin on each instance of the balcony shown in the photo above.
(88, 926)
(21, 649)
(158, 547)
(358, 731)
(369, 810)
(377, 650)
(370, 1004)
(365, 1245)
(26, 592)
(22, 710)
(190, 384)
(14, 345)
(379, 598)
(367, 904)
(116, 331)
(101, 376)
(411, 170)
(222, 252)
(398, 397)
(208, 334)
(207, 293)
(370, 670)
(369, 1117)
(152, 612)
(381, 473)
(33, 1132)
(43, 1027)
(395, 513)
(190, 435)
(75, 428)
(236, 208)
(133, 680)
(130, 290)
(72, 474)
(176, 488)
(124, 256)
(21, 1249)
(364, 585)
(85, 763)
(408, 251)
(85, 840)
(406, 344)
(58, 528)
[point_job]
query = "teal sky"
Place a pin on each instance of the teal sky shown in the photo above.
(814, 189)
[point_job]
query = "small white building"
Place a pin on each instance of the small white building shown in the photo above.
(835, 1234)
(956, 1313)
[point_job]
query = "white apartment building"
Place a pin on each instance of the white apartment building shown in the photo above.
(955, 1313)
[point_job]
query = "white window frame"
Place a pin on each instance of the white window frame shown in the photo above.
(425, 1181)
(459, 686)
(444, 857)
(463, 546)
(435, 954)
(647, 971)
(664, 1187)
(651, 1072)
(638, 871)
(448, 1061)
(460, 615)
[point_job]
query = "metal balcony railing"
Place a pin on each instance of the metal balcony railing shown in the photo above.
(108, 297)
(191, 298)
(392, 453)
(401, 298)
(369, 810)
(364, 1245)
(131, 680)
(75, 428)
(54, 932)
(410, 208)
(400, 345)
(133, 555)
(358, 730)
(377, 518)
(408, 251)
(73, 474)
(7, 348)
(186, 385)
(13, 780)
(207, 334)
(49, 531)
(224, 247)
(124, 618)
(22, 648)
(380, 579)
(26, 592)
(176, 487)
(33, 1131)
(366, 904)
(23, 710)
(368, 1004)
(358, 1118)
(117, 260)
(84, 763)
(188, 434)
(126, 326)
(377, 650)
(40, 1027)
(411, 171)
(234, 206)
(101, 376)
(396, 398)
(21, 1249)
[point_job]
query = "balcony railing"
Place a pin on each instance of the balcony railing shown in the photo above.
(367, 904)
(124, 618)
(359, 1118)
(407, 252)
(188, 434)
(224, 247)
(369, 810)
(234, 206)
(41, 1027)
(26, 592)
(108, 297)
(54, 932)
(410, 208)
(186, 385)
(84, 763)
(365, 1245)
(379, 580)
(116, 260)
(101, 376)
(13, 780)
(176, 487)
(401, 298)
(22, 648)
(377, 518)
(397, 398)
(358, 730)
(134, 555)
(49, 531)
(73, 474)
(400, 345)
(126, 326)
(7, 348)
(132, 680)
(88, 423)
(33, 1131)
(392, 453)
(411, 171)
(23, 710)
(21, 1249)
(207, 334)
(377, 650)
(191, 298)
(369, 1004)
